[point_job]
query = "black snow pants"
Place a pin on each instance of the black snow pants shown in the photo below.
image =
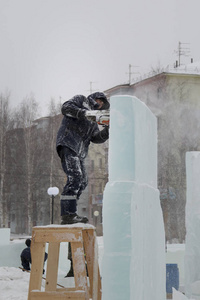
(77, 180)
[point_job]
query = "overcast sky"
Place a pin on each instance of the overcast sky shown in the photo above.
(55, 48)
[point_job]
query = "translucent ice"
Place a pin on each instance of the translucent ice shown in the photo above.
(10, 254)
(133, 143)
(192, 211)
(133, 265)
(4, 236)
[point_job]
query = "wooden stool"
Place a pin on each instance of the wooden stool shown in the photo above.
(83, 241)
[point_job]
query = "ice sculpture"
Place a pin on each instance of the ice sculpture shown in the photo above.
(192, 213)
(133, 265)
(4, 236)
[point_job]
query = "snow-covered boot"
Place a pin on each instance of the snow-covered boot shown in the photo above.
(73, 219)
(68, 211)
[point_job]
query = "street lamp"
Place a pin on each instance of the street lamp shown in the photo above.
(52, 191)
(96, 214)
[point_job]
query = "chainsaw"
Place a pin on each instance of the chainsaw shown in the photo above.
(101, 117)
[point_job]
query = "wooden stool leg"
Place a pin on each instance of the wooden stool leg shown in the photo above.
(37, 258)
(96, 295)
(91, 252)
(80, 276)
(52, 266)
(88, 242)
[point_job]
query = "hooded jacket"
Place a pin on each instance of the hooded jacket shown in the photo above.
(76, 131)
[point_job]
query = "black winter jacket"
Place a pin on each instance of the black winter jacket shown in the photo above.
(26, 258)
(76, 132)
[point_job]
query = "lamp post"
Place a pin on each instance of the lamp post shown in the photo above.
(96, 214)
(52, 191)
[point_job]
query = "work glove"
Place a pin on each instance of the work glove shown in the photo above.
(81, 114)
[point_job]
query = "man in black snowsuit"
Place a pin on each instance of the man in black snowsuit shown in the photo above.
(73, 139)
(26, 256)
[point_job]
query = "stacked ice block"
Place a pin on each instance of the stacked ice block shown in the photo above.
(133, 265)
(192, 211)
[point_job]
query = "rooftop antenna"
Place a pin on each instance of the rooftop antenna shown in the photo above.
(130, 72)
(91, 90)
(182, 51)
(61, 99)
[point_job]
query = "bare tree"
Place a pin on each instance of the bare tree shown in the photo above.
(157, 69)
(55, 117)
(54, 109)
(32, 166)
(4, 127)
(26, 113)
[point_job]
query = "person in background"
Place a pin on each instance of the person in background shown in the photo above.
(26, 256)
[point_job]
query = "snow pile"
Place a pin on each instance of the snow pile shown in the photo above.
(179, 296)
(14, 284)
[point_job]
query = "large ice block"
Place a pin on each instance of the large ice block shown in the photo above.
(192, 218)
(4, 236)
(133, 142)
(133, 264)
(147, 273)
(117, 208)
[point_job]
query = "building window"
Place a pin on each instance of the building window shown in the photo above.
(100, 162)
(92, 165)
(100, 187)
(159, 90)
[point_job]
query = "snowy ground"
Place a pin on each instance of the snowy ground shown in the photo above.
(14, 285)
(14, 282)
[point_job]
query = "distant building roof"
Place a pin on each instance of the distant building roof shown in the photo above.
(119, 86)
(190, 69)
(193, 68)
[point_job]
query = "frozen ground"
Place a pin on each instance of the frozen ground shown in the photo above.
(14, 283)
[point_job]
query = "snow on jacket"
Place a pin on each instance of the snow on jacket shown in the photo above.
(76, 131)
